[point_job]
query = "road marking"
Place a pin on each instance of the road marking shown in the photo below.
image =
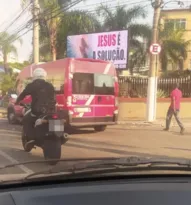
(22, 167)
(10, 131)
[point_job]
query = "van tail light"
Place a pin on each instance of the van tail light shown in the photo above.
(116, 112)
(54, 116)
(116, 101)
(69, 100)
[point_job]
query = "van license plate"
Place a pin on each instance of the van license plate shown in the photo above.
(56, 126)
(83, 109)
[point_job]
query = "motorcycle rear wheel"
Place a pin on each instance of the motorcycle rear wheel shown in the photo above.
(24, 141)
(52, 150)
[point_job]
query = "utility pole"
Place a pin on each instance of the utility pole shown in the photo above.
(35, 32)
(152, 82)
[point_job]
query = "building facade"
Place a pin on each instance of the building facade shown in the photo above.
(181, 19)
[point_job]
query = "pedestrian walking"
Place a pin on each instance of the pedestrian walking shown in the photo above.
(174, 108)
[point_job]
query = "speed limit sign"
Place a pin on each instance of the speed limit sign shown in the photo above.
(155, 49)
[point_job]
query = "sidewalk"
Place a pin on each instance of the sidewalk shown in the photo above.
(3, 112)
(158, 122)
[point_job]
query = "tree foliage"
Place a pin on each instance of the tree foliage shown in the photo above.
(80, 22)
(7, 46)
(174, 47)
(54, 32)
(7, 82)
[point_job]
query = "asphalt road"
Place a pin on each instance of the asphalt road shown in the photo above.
(116, 141)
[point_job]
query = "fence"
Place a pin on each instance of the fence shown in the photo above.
(137, 87)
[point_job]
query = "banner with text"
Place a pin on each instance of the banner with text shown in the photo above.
(109, 46)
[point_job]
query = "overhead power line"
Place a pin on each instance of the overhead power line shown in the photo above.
(19, 16)
(7, 20)
(93, 6)
(29, 23)
(57, 12)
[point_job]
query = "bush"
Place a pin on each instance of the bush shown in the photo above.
(176, 74)
(161, 94)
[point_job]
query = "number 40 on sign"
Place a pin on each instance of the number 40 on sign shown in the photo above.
(155, 49)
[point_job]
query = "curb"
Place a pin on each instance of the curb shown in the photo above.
(146, 124)
(143, 123)
(3, 114)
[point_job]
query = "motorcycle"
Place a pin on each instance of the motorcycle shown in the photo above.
(46, 136)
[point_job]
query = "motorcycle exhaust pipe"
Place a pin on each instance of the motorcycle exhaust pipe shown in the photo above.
(66, 135)
(65, 138)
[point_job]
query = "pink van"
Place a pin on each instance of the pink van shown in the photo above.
(87, 90)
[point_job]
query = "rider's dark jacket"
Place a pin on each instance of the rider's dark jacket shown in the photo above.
(43, 97)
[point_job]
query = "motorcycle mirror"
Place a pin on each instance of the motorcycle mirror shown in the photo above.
(14, 96)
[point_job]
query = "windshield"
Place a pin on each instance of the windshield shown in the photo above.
(57, 81)
(122, 84)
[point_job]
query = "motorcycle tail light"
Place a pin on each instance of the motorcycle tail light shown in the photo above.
(54, 116)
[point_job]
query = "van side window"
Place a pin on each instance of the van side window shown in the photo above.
(26, 82)
(58, 83)
(103, 84)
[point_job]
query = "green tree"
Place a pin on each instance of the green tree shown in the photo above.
(75, 23)
(71, 23)
(121, 19)
(7, 82)
(174, 46)
(17, 65)
(49, 17)
(7, 46)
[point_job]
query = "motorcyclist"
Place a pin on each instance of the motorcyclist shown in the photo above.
(43, 102)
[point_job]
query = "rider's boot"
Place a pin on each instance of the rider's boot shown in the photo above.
(30, 144)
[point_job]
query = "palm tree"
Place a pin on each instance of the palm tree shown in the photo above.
(123, 18)
(7, 82)
(75, 23)
(174, 47)
(51, 22)
(71, 23)
(49, 17)
(7, 46)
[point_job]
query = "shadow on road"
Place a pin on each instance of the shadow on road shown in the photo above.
(4, 125)
(89, 142)
(137, 128)
(176, 148)
(124, 153)
(82, 131)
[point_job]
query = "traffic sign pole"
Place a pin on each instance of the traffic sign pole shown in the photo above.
(154, 51)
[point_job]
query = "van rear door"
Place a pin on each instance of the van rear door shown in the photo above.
(83, 97)
(93, 98)
(104, 103)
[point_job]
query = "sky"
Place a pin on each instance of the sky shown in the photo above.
(10, 9)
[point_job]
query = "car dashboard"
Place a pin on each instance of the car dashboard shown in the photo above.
(150, 191)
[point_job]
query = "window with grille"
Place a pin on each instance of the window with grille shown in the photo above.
(176, 23)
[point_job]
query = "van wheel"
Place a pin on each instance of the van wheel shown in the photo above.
(100, 128)
(11, 117)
